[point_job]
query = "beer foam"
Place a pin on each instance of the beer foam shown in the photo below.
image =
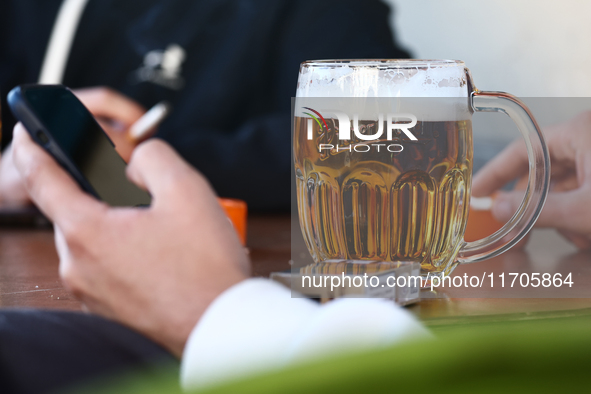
(389, 78)
(431, 90)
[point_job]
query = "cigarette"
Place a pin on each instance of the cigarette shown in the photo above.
(142, 128)
(481, 203)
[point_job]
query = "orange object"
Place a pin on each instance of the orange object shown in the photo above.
(236, 210)
(481, 223)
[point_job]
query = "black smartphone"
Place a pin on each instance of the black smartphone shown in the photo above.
(61, 124)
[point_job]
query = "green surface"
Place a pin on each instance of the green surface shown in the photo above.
(542, 353)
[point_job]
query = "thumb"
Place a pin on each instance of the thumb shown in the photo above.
(562, 210)
(156, 167)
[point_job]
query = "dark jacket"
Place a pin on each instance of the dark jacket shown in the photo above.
(229, 68)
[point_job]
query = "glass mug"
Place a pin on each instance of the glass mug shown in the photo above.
(383, 162)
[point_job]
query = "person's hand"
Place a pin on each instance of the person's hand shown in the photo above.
(115, 113)
(12, 189)
(568, 207)
(154, 269)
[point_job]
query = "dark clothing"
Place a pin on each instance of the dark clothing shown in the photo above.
(230, 83)
(41, 351)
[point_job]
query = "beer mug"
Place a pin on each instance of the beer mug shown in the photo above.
(383, 162)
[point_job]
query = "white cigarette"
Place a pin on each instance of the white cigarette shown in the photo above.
(149, 121)
(481, 203)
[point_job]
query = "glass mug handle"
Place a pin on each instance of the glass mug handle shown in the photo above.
(537, 184)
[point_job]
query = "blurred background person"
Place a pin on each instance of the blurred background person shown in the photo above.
(227, 67)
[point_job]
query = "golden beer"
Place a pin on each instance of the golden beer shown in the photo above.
(366, 203)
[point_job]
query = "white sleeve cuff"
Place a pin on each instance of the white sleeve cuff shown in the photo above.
(244, 330)
(256, 326)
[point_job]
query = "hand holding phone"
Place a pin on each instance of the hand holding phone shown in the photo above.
(59, 122)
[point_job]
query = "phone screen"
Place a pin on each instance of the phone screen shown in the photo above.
(83, 142)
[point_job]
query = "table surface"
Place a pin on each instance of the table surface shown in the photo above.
(29, 275)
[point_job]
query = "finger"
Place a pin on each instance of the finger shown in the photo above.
(564, 139)
(562, 179)
(156, 167)
(562, 210)
(12, 188)
(568, 143)
(564, 184)
(511, 163)
(50, 187)
(107, 103)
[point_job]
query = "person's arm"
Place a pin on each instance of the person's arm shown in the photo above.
(177, 269)
(568, 205)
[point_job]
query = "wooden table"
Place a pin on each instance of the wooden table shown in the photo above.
(29, 275)
(29, 263)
